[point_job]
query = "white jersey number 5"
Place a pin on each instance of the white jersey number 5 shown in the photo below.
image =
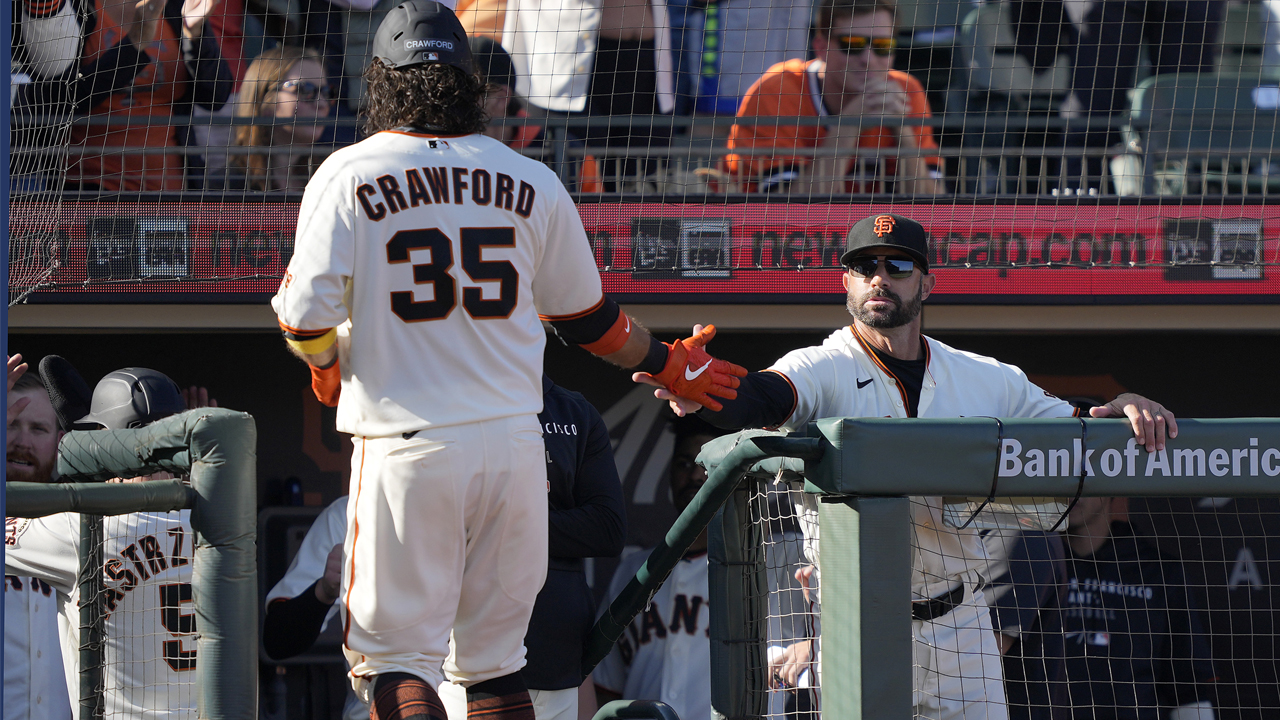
(172, 597)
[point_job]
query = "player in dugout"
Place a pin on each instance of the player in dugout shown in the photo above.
(425, 256)
(883, 366)
(665, 654)
(150, 626)
(587, 518)
(35, 687)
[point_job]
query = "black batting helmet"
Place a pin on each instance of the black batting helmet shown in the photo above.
(422, 32)
(131, 398)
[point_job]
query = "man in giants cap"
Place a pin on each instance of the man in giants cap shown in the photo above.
(882, 366)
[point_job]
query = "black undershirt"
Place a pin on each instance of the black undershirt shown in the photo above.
(910, 375)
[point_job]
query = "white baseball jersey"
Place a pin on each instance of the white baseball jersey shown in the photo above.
(150, 629)
(35, 686)
(830, 381)
(438, 250)
(665, 653)
(307, 566)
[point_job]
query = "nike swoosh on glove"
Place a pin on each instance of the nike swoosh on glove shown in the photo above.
(693, 374)
(327, 383)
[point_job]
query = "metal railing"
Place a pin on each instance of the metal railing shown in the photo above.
(980, 155)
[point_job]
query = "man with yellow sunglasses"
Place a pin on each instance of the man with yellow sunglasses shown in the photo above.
(852, 82)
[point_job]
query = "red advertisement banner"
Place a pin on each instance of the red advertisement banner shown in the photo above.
(651, 252)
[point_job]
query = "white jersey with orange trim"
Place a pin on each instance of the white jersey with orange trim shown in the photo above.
(441, 252)
(665, 653)
(150, 652)
(842, 378)
(35, 685)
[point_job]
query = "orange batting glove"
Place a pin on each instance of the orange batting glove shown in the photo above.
(693, 374)
(327, 383)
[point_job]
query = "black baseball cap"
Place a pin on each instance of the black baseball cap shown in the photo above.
(422, 32)
(888, 231)
(492, 61)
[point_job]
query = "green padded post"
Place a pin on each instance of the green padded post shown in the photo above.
(739, 593)
(218, 449)
(865, 571)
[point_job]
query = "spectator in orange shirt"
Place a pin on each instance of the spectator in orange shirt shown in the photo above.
(143, 60)
(851, 78)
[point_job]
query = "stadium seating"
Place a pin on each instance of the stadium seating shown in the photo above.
(1002, 92)
(1242, 43)
(1213, 133)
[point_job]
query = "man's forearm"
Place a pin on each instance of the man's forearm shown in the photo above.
(324, 358)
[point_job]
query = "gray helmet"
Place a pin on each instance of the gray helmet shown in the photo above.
(422, 32)
(131, 398)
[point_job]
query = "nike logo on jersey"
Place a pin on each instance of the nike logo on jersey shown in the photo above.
(864, 383)
(694, 374)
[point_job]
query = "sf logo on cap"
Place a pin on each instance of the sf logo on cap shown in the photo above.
(884, 224)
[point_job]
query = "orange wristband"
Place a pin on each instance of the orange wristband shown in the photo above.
(613, 339)
(327, 383)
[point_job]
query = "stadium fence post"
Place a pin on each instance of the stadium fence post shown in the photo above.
(865, 569)
(739, 591)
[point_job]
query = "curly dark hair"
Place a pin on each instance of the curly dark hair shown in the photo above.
(441, 98)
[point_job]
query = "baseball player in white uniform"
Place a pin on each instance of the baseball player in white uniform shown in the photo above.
(882, 366)
(35, 687)
(307, 599)
(150, 651)
(665, 654)
(437, 248)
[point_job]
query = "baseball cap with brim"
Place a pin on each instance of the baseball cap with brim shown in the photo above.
(889, 232)
(422, 32)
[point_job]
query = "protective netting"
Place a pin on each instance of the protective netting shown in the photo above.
(1142, 608)
(1054, 150)
(791, 629)
(144, 615)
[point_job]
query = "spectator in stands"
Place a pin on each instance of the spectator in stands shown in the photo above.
(213, 137)
(47, 41)
(1026, 571)
(722, 47)
(35, 686)
(587, 519)
(495, 65)
(1180, 36)
(286, 85)
(851, 77)
(1135, 642)
(665, 653)
(483, 18)
(597, 59)
(147, 59)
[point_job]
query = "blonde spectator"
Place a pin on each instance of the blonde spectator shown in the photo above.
(287, 85)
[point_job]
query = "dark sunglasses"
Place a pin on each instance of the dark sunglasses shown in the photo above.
(898, 268)
(308, 91)
(856, 44)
